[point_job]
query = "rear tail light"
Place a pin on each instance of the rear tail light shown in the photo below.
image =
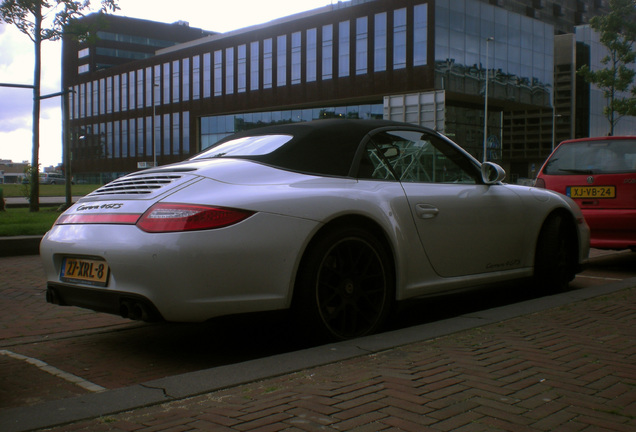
(540, 183)
(104, 218)
(165, 217)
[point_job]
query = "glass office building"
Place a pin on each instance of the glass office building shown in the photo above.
(422, 61)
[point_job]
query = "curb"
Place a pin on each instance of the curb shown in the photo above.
(20, 245)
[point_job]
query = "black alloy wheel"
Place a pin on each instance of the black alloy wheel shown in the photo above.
(346, 285)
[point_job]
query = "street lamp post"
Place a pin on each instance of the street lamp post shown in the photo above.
(490, 39)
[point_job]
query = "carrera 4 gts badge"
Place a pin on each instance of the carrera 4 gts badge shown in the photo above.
(110, 206)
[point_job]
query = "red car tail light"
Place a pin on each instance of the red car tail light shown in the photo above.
(165, 217)
(540, 183)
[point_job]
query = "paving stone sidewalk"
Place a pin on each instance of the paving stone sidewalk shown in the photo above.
(571, 368)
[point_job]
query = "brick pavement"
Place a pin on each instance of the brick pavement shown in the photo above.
(571, 368)
(25, 318)
(25, 315)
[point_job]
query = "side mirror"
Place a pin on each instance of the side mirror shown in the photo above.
(492, 173)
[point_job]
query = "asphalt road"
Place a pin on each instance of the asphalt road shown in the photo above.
(50, 353)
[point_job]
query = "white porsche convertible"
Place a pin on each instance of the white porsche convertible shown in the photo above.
(336, 220)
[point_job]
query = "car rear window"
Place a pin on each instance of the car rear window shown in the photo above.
(593, 157)
(246, 146)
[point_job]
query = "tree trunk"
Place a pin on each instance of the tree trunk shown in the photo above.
(34, 197)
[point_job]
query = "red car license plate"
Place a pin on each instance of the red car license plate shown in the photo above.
(591, 191)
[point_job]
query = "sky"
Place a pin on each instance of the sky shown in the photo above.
(16, 63)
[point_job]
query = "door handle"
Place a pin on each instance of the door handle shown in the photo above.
(426, 211)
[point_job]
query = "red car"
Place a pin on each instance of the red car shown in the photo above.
(599, 174)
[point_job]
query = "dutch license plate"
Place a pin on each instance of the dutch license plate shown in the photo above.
(591, 191)
(88, 271)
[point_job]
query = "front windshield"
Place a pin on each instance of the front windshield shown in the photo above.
(593, 157)
(247, 146)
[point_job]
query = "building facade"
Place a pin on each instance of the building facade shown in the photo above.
(419, 61)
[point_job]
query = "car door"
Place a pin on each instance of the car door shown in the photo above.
(464, 226)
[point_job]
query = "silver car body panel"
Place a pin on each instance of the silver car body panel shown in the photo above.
(442, 236)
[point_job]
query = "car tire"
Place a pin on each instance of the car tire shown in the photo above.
(553, 257)
(345, 286)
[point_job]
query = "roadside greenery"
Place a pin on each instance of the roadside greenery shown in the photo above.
(20, 221)
(617, 32)
(17, 190)
(16, 221)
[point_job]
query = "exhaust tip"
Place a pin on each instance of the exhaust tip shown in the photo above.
(135, 310)
(52, 297)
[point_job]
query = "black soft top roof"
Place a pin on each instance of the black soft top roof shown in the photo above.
(325, 147)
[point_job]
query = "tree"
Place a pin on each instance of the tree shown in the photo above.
(43, 20)
(617, 32)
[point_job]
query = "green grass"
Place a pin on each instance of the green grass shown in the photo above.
(18, 190)
(19, 221)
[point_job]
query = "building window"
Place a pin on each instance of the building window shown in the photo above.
(167, 132)
(124, 138)
(102, 96)
(207, 74)
(281, 61)
(132, 86)
(241, 81)
(196, 77)
(296, 55)
(229, 70)
(176, 126)
(176, 75)
(218, 73)
(420, 37)
(116, 141)
(140, 136)
(82, 69)
(362, 45)
(149, 137)
(88, 99)
(166, 83)
(75, 95)
(267, 63)
(123, 54)
(149, 86)
(83, 53)
(95, 98)
(140, 88)
(311, 55)
(254, 65)
(399, 39)
(116, 92)
(185, 140)
(185, 80)
(327, 52)
(108, 145)
(343, 49)
(156, 82)
(379, 58)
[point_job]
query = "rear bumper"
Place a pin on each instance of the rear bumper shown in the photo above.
(126, 305)
(611, 229)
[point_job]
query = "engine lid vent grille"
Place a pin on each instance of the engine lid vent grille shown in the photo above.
(137, 185)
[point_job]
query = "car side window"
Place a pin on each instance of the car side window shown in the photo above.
(410, 156)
